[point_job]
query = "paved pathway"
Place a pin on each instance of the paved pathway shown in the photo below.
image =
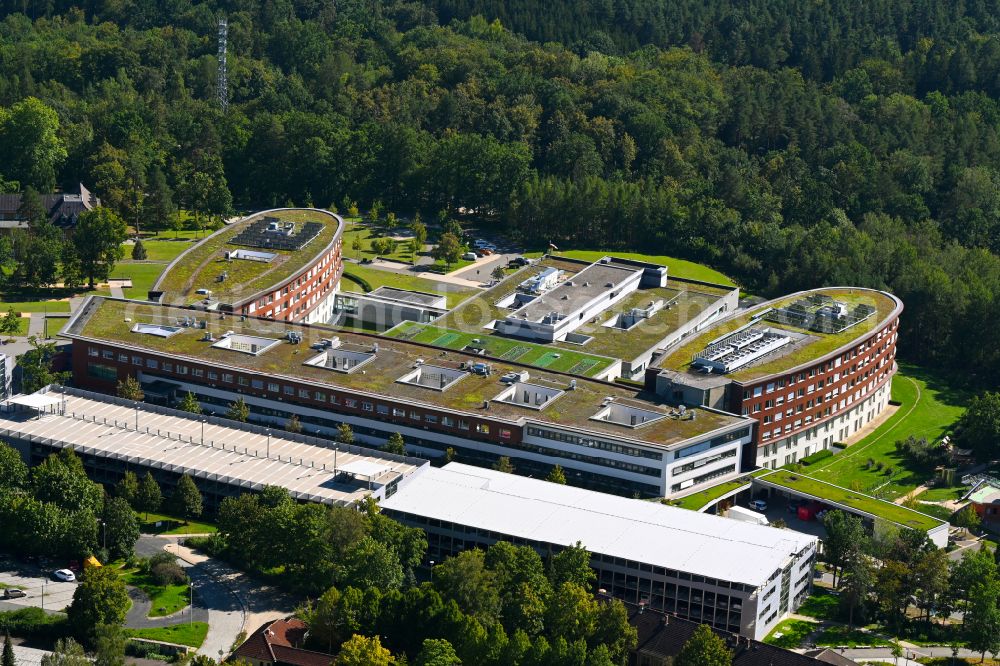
(233, 601)
(36, 324)
(138, 614)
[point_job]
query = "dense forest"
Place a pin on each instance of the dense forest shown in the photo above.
(791, 144)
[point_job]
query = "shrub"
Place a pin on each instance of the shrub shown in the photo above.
(213, 545)
(168, 573)
(33, 623)
(814, 458)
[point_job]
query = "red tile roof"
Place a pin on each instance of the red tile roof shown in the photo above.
(278, 642)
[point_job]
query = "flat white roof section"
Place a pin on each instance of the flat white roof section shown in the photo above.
(211, 451)
(158, 330)
(246, 344)
(646, 532)
(35, 401)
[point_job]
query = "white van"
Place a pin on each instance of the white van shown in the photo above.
(469, 256)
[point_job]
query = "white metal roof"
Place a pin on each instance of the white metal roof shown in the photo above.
(184, 445)
(636, 530)
(35, 401)
(365, 468)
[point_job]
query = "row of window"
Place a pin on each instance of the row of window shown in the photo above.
(592, 460)
(724, 438)
(701, 462)
(722, 471)
(593, 443)
(289, 390)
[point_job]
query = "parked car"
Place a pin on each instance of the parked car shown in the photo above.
(486, 251)
(65, 575)
(13, 593)
(479, 242)
(517, 262)
(758, 505)
(469, 256)
(793, 506)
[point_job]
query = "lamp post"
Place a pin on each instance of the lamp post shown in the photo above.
(202, 431)
(268, 443)
(136, 405)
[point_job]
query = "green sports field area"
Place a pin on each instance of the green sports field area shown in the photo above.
(540, 356)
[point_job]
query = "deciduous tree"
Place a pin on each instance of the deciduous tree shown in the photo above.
(150, 496)
(186, 500)
(704, 648)
(98, 239)
(130, 389)
(100, 598)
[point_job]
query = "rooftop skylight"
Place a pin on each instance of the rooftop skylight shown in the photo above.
(159, 330)
(532, 396)
(627, 415)
(245, 344)
(433, 377)
(339, 359)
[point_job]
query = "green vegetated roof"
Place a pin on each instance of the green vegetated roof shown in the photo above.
(823, 491)
(814, 345)
(686, 302)
(702, 498)
(201, 266)
(102, 319)
(528, 353)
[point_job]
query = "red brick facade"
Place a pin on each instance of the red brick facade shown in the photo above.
(789, 403)
(100, 366)
(296, 297)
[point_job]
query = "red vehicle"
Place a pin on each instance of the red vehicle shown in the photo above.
(809, 511)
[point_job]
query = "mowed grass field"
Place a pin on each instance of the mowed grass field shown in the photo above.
(928, 408)
(679, 268)
(540, 356)
(189, 633)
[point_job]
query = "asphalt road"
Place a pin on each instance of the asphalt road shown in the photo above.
(215, 600)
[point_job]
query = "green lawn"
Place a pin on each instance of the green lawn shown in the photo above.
(790, 634)
(704, 497)
(943, 494)
(928, 408)
(543, 356)
(841, 635)
(173, 525)
(826, 491)
(161, 249)
(361, 231)
(379, 278)
(192, 634)
(821, 604)
(165, 599)
(5, 586)
(143, 276)
(34, 306)
(679, 268)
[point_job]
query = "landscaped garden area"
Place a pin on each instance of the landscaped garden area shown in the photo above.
(928, 407)
(164, 599)
(375, 278)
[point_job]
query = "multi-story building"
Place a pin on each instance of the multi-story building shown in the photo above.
(735, 576)
(605, 435)
(812, 369)
(283, 264)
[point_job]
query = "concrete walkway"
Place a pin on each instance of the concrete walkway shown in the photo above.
(36, 324)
